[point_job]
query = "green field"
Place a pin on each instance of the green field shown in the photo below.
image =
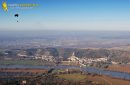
(25, 62)
(72, 77)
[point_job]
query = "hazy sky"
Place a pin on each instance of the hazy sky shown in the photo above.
(68, 15)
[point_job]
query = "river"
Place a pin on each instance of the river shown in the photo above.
(115, 74)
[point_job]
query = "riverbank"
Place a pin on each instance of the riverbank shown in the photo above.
(114, 74)
(75, 78)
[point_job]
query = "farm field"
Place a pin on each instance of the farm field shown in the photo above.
(24, 70)
(120, 68)
(101, 80)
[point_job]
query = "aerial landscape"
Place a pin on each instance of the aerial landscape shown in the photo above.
(65, 42)
(82, 59)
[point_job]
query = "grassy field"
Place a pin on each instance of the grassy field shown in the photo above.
(73, 77)
(24, 62)
(101, 80)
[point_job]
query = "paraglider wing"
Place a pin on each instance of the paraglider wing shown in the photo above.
(16, 15)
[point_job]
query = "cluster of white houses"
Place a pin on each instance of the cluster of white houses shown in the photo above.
(72, 59)
(84, 61)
